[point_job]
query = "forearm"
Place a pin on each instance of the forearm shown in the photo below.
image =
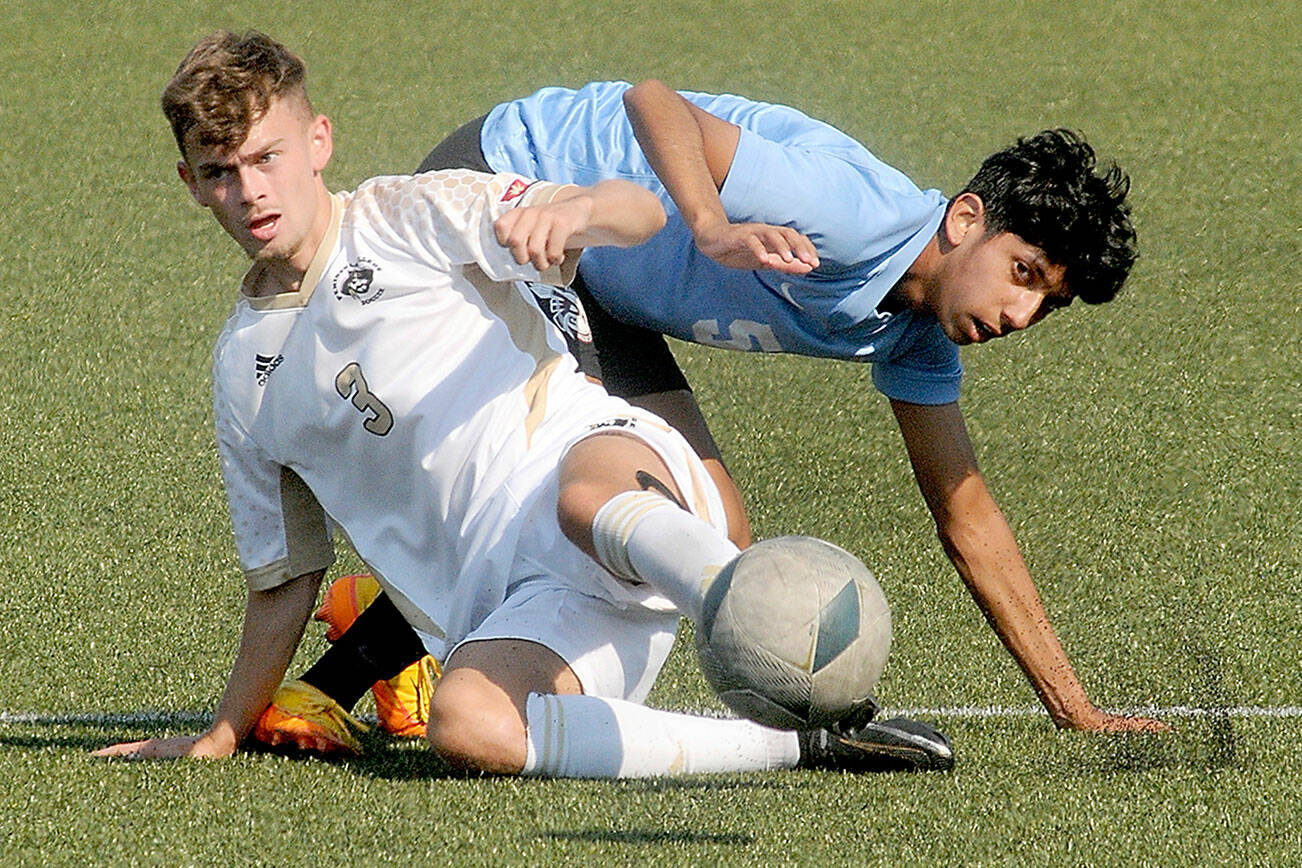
(619, 214)
(273, 626)
(986, 555)
(979, 541)
(670, 134)
(613, 212)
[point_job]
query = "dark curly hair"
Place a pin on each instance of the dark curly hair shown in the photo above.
(226, 83)
(1045, 190)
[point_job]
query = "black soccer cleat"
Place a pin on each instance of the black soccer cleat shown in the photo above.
(895, 745)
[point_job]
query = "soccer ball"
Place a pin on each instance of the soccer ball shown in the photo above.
(795, 633)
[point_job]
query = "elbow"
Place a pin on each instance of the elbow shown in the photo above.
(637, 92)
(638, 98)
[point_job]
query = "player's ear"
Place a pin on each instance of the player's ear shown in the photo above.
(187, 175)
(966, 213)
(321, 138)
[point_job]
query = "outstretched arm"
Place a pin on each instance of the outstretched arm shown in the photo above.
(983, 549)
(691, 151)
(273, 625)
(616, 213)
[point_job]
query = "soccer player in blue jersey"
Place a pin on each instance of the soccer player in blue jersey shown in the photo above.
(786, 235)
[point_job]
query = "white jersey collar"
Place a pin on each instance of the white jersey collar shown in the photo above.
(287, 300)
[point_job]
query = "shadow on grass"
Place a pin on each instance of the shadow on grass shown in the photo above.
(86, 742)
(398, 761)
(1207, 745)
(383, 757)
(650, 837)
(93, 731)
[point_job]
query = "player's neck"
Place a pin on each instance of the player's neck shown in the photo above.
(911, 290)
(273, 277)
(276, 275)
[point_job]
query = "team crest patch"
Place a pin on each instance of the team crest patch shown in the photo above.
(515, 191)
(264, 365)
(562, 306)
(358, 281)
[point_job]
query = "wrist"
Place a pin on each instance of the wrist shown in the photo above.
(1078, 714)
(221, 738)
(706, 223)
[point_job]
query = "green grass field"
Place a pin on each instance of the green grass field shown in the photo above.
(1146, 452)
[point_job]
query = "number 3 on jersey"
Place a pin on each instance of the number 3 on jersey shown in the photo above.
(350, 382)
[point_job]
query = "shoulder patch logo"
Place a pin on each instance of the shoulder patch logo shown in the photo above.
(515, 191)
(264, 365)
(561, 305)
(358, 281)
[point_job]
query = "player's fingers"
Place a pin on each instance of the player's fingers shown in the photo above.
(775, 242)
(768, 247)
(503, 225)
(513, 230)
(540, 242)
(802, 248)
(783, 264)
(794, 267)
(764, 258)
(1129, 723)
(125, 749)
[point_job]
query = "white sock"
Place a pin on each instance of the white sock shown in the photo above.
(644, 536)
(576, 736)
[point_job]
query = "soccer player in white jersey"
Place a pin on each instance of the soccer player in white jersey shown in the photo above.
(385, 372)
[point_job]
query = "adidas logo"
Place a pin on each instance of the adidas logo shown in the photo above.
(264, 365)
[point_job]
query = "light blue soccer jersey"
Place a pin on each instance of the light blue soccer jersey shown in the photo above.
(868, 221)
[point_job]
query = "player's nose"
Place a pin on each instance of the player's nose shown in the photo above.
(252, 184)
(1021, 313)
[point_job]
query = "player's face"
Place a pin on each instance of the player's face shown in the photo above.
(267, 193)
(994, 285)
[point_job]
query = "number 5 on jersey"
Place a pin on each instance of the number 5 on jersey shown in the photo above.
(350, 382)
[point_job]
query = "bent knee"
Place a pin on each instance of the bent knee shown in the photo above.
(474, 727)
(576, 508)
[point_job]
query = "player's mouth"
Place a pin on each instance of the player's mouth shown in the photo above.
(981, 332)
(263, 227)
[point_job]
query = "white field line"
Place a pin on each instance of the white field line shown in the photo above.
(123, 718)
(965, 712)
(1003, 711)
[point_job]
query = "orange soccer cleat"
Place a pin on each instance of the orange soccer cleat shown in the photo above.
(302, 717)
(401, 702)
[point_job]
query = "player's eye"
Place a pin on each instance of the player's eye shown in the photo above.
(1021, 272)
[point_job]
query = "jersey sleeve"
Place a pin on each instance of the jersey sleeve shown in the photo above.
(281, 532)
(450, 216)
(923, 367)
(854, 208)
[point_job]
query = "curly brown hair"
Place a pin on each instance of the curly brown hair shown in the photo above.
(226, 83)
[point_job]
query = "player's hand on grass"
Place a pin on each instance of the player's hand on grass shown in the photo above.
(758, 246)
(1097, 720)
(202, 746)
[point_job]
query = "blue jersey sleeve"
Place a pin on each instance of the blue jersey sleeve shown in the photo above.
(854, 208)
(922, 366)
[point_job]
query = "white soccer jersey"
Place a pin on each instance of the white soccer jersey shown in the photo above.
(414, 394)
